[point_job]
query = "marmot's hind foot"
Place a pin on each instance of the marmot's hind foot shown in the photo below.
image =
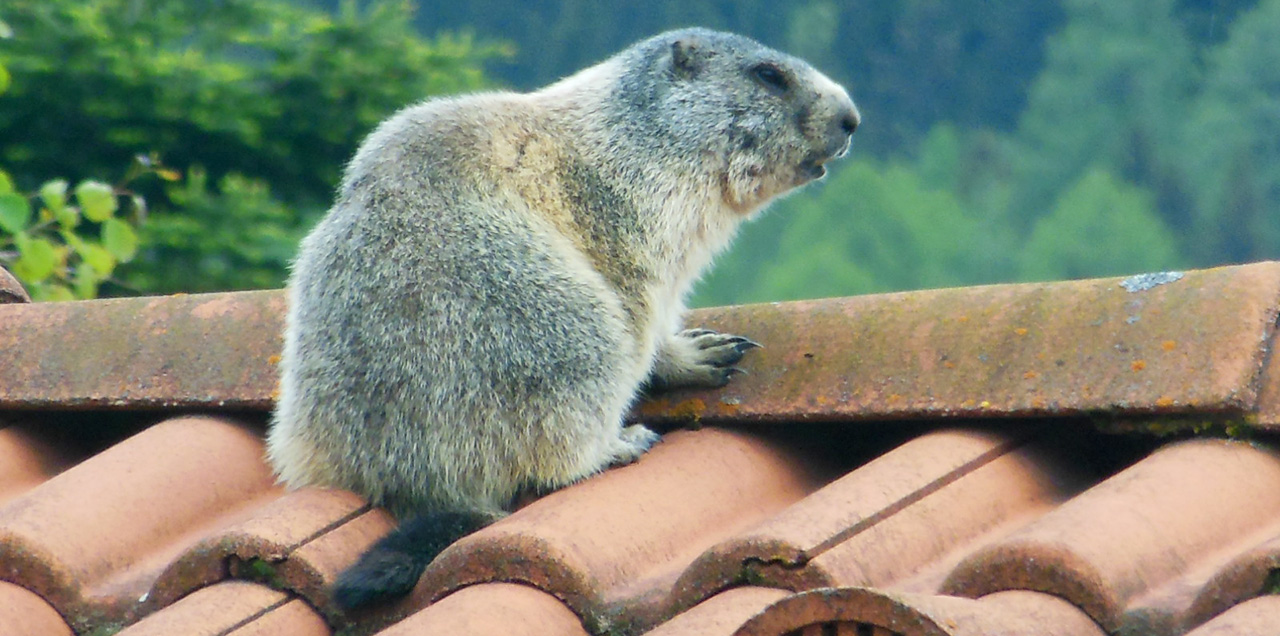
(633, 441)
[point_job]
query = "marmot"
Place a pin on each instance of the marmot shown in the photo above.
(502, 273)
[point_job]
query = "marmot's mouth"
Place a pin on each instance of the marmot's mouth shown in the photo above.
(812, 168)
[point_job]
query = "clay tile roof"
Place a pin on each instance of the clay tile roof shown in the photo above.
(1078, 458)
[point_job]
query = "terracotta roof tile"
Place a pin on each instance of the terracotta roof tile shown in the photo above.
(612, 546)
(206, 350)
(1134, 347)
(867, 611)
(23, 613)
(772, 524)
(1113, 345)
(722, 614)
(93, 539)
(11, 291)
(211, 611)
(1257, 616)
(28, 458)
(276, 543)
(895, 516)
(1111, 549)
(295, 618)
(493, 608)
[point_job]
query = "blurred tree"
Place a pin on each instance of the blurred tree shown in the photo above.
(1231, 151)
(1116, 86)
(261, 91)
(910, 63)
(1098, 227)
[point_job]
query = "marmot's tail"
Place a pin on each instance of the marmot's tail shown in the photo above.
(392, 566)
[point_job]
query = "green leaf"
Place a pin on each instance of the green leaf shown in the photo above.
(97, 257)
(97, 200)
(5, 79)
(15, 212)
(6, 182)
(56, 293)
(54, 195)
(37, 260)
(86, 282)
(120, 239)
(68, 217)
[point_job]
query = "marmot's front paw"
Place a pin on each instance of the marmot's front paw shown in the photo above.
(698, 358)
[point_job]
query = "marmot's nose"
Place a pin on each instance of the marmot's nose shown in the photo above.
(846, 121)
(849, 121)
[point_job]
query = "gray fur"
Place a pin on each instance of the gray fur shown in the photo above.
(501, 272)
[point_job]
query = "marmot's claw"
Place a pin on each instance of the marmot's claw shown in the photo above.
(694, 333)
(722, 350)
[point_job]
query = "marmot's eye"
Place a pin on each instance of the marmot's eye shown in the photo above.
(770, 76)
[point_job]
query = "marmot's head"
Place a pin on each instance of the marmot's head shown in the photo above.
(766, 121)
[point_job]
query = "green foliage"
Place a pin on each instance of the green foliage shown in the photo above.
(911, 63)
(1098, 227)
(261, 91)
(1113, 92)
(1233, 166)
(64, 248)
(1038, 140)
(249, 246)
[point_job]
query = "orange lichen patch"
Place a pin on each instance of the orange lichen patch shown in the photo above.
(1164, 402)
(1031, 375)
(273, 360)
(691, 409)
(1168, 345)
(1021, 331)
(1138, 365)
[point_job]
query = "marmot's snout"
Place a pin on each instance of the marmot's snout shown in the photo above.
(835, 135)
(844, 121)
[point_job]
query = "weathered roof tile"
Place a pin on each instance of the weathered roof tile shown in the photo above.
(11, 291)
(611, 547)
(862, 610)
(1042, 349)
(493, 608)
(93, 540)
(1142, 529)
(211, 611)
(968, 520)
(23, 613)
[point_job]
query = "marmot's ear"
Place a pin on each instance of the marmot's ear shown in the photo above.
(687, 56)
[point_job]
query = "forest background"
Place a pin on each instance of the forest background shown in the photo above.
(152, 146)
